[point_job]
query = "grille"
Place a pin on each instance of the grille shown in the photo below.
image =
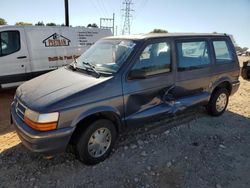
(20, 109)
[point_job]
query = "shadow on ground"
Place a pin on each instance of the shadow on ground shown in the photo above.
(6, 97)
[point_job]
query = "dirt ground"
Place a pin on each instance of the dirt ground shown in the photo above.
(190, 150)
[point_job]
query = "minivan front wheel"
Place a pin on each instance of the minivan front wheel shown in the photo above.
(218, 102)
(96, 142)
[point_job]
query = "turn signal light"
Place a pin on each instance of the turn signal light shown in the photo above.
(40, 126)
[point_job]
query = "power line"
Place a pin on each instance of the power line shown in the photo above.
(104, 8)
(140, 6)
(97, 8)
(100, 5)
(127, 16)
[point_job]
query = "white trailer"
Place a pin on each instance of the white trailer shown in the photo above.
(29, 51)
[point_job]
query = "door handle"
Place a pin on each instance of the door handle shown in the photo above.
(21, 57)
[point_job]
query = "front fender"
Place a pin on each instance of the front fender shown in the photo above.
(99, 109)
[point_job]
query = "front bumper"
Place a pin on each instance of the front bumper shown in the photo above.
(48, 142)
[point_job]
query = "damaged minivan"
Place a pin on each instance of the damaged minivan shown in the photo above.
(123, 81)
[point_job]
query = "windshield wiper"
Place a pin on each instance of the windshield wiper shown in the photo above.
(73, 65)
(88, 67)
(92, 68)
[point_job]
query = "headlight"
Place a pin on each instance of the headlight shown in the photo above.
(41, 122)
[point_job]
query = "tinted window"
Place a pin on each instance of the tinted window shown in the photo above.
(154, 59)
(10, 42)
(192, 55)
(222, 52)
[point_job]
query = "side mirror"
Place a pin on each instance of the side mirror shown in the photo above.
(137, 74)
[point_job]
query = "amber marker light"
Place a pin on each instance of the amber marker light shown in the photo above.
(41, 122)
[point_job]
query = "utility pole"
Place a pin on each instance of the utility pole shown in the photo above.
(108, 23)
(66, 6)
(127, 15)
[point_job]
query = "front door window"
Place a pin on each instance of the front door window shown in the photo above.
(155, 59)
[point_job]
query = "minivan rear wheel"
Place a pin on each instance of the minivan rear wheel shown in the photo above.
(96, 142)
(218, 102)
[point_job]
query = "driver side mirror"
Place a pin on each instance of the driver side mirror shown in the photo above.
(137, 74)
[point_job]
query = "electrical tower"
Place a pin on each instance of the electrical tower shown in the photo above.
(108, 23)
(127, 15)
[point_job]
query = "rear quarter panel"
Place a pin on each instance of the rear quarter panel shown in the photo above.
(226, 71)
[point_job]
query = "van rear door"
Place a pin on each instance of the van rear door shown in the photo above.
(14, 56)
(193, 67)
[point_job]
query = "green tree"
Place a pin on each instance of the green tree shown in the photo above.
(92, 25)
(23, 23)
(245, 49)
(2, 21)
(39, 23)
(51, 24)
(159, 31)
(238, 49)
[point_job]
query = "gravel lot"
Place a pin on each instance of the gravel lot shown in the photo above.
(191, 150)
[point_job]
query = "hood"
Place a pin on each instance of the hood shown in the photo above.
(54, 86)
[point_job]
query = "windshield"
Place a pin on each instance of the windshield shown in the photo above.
(107, 55)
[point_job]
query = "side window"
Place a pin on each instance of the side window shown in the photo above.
(222, 52)
(10, 42)
(154, 59)
(192, 55)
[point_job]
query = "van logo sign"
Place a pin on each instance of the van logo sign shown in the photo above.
(56, 40)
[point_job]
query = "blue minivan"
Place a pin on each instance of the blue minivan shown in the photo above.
(123, 81)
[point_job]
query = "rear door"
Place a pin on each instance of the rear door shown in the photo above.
(194, 64)
(14, 57)
(147, 80)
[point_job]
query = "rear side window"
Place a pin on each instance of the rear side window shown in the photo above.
(10, 42)
(192, 55)
(222, 51)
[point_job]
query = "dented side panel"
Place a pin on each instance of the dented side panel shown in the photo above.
(168, 108)
(142, 95)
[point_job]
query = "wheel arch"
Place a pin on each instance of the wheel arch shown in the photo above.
(223, 83)
(85, 119)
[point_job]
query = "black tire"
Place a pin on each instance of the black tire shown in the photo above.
(211, 107)
(248, 74)
(82, 147)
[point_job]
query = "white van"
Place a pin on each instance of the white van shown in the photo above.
(29, 51)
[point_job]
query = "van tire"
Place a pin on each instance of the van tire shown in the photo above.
(248, 74)
(218, 102)
(96, 142)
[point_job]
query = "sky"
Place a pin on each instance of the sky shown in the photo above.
(200, 16)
